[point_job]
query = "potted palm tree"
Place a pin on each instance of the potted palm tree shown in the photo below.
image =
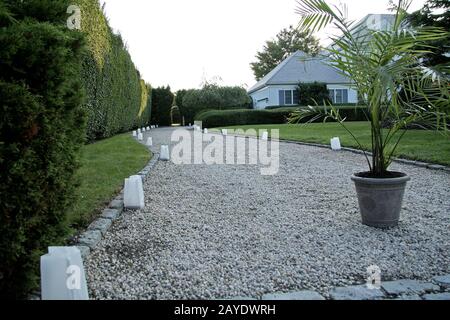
(396, 89)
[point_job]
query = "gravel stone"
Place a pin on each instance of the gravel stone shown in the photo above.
(223, 231)
(443, 281)
(437, 296)
(414, 297)
(100, 224)
(436, 167)
(299, 295)
(422, 164)
(408, 287)
(111, 214)
(406, 161)
(90, 238)
(360, 292)
(85, 251)
(116, 204)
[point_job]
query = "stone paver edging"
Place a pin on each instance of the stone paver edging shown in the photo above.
(437, 288)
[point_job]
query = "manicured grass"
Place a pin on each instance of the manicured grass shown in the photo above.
(421, 145)
(104, 166)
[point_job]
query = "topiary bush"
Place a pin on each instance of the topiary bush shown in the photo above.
(41, 130)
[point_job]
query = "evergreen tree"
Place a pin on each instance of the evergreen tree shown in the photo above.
(41, 130)
(162, 102)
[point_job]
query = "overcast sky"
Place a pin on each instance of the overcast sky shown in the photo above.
(182, 42)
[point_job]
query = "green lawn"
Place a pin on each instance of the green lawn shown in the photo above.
(416, 144)
(105, 165)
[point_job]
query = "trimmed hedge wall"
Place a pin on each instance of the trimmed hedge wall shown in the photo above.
(41, 130)
(221, 118)
(114, 91)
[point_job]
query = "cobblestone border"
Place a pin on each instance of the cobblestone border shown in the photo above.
(437, 288)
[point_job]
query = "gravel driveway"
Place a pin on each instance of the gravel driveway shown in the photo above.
(221, 231)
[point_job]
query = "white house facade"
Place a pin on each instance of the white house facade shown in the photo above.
(279, 87)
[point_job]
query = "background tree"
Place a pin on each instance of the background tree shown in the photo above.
(179, 97)
(286, 42)
(213, 97)
(162, 102)
(435, 13)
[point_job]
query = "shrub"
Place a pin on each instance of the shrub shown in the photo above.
(41, 129)
(312, 93)
(220, 118)
(162, 102)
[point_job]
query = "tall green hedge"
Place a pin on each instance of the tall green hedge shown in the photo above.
(41, 130)
(114, 90)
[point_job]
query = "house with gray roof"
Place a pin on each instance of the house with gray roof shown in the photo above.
(279, 87)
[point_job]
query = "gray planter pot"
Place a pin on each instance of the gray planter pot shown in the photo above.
(380, 200)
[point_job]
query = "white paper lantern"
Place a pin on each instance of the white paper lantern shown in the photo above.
(164, 154)
(140, 137)
(148, 128)
(205, 131)
(62, 275)
(133, 197)
(149, 142)
(224, 132)
(335, 144)
(265, 136)
(143, 129)
(134, 133)
(138, 131)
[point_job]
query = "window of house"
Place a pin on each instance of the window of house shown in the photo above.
(338, 96)
(331, 95)
(288, 97)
